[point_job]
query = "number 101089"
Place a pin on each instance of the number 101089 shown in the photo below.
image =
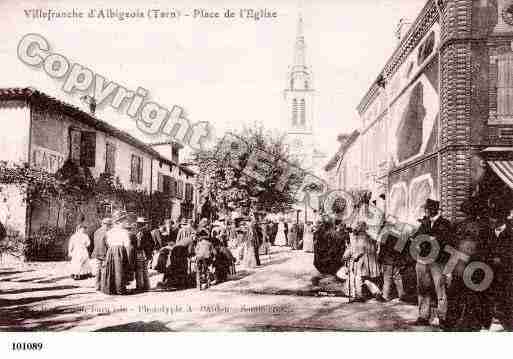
(27, 346)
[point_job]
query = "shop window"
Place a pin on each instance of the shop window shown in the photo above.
(136, 174)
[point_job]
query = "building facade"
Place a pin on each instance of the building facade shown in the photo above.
(439, 109)
(46, 133)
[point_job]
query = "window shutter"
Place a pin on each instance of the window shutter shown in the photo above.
(167, 184)
(88, 149)
(140, 170)
(75, 137)
(160, 185)
(133, 169)
(180, 189)
(173, 187)
(188, 192)
(110, 159)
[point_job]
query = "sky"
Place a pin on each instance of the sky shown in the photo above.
(228, 72)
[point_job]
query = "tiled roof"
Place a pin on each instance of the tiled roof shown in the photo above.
(30, 95)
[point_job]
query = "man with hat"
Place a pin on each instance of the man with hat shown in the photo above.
(497, 252)
(430, 270)
(144, 238)
(100, 247)
(143, 253)
(464, 308)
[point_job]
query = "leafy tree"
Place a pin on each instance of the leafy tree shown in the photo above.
(223, 172)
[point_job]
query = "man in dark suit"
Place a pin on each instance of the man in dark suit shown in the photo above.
(286, 226)
(497, 252)
(256, 237)
(300, 235)
(434, 229)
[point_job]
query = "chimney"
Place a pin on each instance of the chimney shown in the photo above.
(402, 28)
(91, 102)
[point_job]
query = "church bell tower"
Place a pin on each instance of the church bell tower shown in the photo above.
(299, 102)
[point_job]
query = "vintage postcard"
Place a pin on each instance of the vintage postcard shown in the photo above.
(256, 166)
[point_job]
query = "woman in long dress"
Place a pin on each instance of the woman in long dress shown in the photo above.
(115, 270)
(281, 238)
(265, 248)
(78, 246)
(364, 270)
(249, 258)
(308, 238)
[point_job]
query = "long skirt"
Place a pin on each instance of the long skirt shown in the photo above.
(281, 239)
(293, 240)
(177, 272)
(249, 259)
(308, 243)
(114, 274)
(142, 279)
(79, 265)
(223, 262)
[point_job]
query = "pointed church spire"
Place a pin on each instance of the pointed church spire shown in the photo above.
(299, 49)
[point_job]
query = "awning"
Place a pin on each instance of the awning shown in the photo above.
(500, 160)
(503, 169)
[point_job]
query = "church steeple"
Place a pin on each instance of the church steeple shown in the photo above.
(299, 91)
(299, 50)
(300, 77)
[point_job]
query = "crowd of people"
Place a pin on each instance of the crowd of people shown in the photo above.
(365, 260)
(371, 266)
(124, 249)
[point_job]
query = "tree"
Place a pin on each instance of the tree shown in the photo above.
(223, 172)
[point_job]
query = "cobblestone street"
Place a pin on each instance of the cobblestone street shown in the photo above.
(278, 296)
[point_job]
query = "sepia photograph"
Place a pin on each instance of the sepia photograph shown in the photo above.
(255, 166)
